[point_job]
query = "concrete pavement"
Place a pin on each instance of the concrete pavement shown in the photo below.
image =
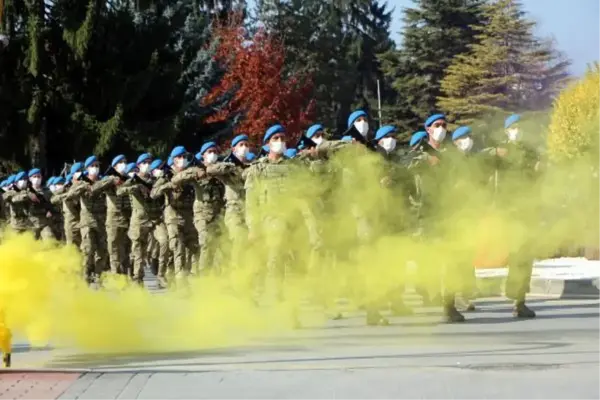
(490, 356)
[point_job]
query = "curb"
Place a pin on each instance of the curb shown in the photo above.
(566, 288)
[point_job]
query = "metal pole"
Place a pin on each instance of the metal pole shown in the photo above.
(379, 101)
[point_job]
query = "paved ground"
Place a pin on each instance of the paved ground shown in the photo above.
(490, 356)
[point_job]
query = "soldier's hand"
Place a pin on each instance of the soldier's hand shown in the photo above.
(48, 214)
(201, 173)
(33, 198)
(502, 152)
(433, 160)
(145, 190)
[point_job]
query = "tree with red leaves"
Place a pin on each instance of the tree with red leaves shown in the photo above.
(263, 93)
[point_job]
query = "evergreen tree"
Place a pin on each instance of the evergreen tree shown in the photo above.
(336, 43)
(507, 70)
(434, 32)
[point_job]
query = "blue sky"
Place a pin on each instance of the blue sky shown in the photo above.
(574, 24)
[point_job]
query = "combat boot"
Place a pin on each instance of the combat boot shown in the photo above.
(6, 358)
(520, 310)
(374, 318)
(154, 266)
(451, 314)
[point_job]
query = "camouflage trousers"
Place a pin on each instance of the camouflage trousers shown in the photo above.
(209, 233)
(118, 249)
(237, 234)
(44, 233)
(141, 237)
(72, 234)
(183, 244)
(93, 249)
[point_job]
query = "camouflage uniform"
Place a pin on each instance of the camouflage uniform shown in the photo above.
(178, 216)
(40, 217)
(70, 215)
(118, 211)
(266, 191)
(17, 202)
(209, 204)
(234, 196)
(145, 225)
(92, 225)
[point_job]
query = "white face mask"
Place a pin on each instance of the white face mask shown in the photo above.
(157, 173)
(438, 134)
(22, 184)
(36, 182)
(464, 144)
(513, 134)
(277, 147)
(93, 171)
(210, 158)
(240, 152)
(180, 163)
(388, 144)
(318, 140)
(52, 188)
(76, 175)
(362, 127)
(120, 167)
(131, 174)
(144, 167)
(58, 188)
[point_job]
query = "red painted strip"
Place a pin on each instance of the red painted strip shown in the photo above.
(35, 385)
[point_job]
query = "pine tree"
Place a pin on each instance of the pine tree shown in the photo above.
(435, 31)
(509, 69)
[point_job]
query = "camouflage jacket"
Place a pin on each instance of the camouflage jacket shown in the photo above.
(17, 202)
(145, 211)
(37, 210)
(232, 178)
(118, 207)
(178, 194)
(70, 208)
(92, 200)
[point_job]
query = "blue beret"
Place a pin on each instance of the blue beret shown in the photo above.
(130, 167)
(272, 131)
(143, 157)
(250, 156)
(59, 180)
(347, 138)
(239, 138)
(310, 132)
(50, 181)
(76, 167)
(384, 131)
(417, 137)
(89, 161)
(3, 183)
(460, 132)
(429, 121)
(513, 119)
(207, 146)
(265, 148)
(291, 153)
(20, 176)
(69, 177)
(155, 164)
(117, 160)
(178, 151)
(356, 115)
(198, 156)
(170, 161)
(10, 180)
(33, 172)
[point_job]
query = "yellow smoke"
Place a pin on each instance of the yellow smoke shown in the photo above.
(366, 234)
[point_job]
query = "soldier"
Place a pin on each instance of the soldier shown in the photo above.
(209, 207)
(40, 210)
(71, 207)
(144, 217)
(117, 216)
(518, 164)
(16, 199)
(436, 126)
(178, 213)
(161, 260)
(58, 222)
(90, 193)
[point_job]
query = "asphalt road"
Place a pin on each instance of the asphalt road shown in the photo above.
(492, 355)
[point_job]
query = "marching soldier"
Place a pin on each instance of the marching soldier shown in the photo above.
(16, 199)
(39, 210)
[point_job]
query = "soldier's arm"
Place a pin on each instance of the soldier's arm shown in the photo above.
(105, 184)
(20, 197)
(127, 188)
(160, 188)
(76, 191)
(57, 198)
(330, 146)
(188, 176)
(252, 197)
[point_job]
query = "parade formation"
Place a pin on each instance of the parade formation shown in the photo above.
(305, 212)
